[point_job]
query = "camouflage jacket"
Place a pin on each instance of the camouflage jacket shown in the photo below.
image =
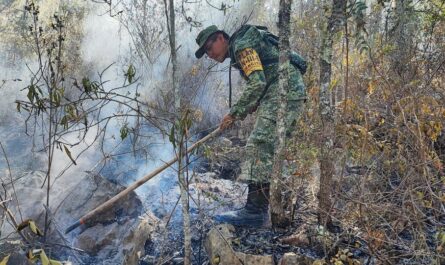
(257, 59)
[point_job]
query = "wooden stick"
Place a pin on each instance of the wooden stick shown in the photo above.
(106, 205)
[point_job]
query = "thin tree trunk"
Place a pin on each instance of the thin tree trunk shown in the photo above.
(278, 216)
(183, 183)
(327, 112)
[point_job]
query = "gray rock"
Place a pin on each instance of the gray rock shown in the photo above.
(218, 245)
(255, 259)
(92, 192)
(116, 236)
(294, 259)
(133, 245)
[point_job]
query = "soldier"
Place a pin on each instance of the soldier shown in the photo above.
(254, 51)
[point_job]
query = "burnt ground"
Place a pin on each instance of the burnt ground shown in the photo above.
(217, 195)
(303, 237)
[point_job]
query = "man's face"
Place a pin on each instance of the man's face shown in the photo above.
(217, 49)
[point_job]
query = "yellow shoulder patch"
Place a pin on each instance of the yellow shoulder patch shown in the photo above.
(249, 61)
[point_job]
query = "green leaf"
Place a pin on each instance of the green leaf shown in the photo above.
(68, 152)
(55, 262)
(44, 259)
(124, 132)
(31, 93)
(207, 151)
(171, 136)
(34, 228)
(56, 96)
(32, 225)
(86, 84)
(131, 72)
(18, 106)
(95, 87)
(440, 236)
(64, 122)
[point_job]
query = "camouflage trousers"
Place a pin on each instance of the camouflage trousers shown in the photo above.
(260, 145)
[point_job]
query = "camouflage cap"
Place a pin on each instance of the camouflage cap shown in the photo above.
(203, 36)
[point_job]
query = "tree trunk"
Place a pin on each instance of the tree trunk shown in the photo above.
(277, 212)
(327, 111)
(180, 135)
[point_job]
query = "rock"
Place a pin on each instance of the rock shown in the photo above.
(133, 247)
(114, 244)
(93, 240)
(255, 259)
(17, 259)
(92, 192)
(218, 245)
(113, 237)
(299, 239)
(294, 259)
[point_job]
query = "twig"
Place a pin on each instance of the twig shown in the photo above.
(14, 222)
(12, 182)
(7, 200)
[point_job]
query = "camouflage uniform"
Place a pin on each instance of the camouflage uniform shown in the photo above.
(245, 47)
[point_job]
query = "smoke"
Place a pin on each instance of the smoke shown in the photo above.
(105, 42)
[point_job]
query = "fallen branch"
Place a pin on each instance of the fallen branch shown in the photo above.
(106, 205)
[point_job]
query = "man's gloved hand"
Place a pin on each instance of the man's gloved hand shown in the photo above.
(226, 121)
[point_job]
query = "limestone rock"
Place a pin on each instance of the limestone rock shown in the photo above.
(114, 243)
(112, 236)
(93, 191)
(133, 247)
(294, 259)
(255, 259)
(218, 245)
(299, 239)
(93, 240)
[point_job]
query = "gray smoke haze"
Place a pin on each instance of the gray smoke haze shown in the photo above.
(104, 42)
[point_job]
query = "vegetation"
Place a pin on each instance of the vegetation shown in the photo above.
(373, 126)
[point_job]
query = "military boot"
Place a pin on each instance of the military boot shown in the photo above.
(254, 213)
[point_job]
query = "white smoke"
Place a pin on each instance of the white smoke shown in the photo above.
(106, 42)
